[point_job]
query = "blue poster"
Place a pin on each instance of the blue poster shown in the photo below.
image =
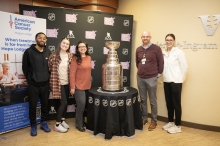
(14, 116)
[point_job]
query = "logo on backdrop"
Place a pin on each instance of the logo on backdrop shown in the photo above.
(109, 21)
(73, 49)
(11, 22)
(52, 33)
(90, 34)
(125, 79)
(105, 50)
(125, 51)
(126, 23)
(93, 64)
(206, 23)
(120, 102)
(70, 35)
(71, 18)
(90, 50)
(52, 48)
(125, 37)
(51, 16)
(108, 37)
(29, 13)
(125, 65)
(52, 110)
(90, 19)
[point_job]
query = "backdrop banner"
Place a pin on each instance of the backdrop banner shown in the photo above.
(95, 28)
(17, 34)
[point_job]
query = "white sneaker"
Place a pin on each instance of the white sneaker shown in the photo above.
(168, 125)
(65, 125)
(174, 129)
(60, 128)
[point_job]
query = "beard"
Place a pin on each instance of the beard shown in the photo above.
(40, 44)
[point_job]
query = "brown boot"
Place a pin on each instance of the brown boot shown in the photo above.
(145, 122)
(152, 126)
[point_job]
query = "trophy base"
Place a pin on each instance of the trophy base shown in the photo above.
(113, 90)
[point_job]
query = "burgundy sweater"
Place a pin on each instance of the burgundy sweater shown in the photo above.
(154, 61)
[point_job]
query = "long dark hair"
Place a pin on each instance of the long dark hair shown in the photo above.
(57, 51)
(171, 35)
(78, 55)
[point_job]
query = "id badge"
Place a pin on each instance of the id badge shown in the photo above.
(143, 60)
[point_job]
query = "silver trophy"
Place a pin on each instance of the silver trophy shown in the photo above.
(112, 72)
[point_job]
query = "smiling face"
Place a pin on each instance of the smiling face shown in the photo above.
(41, 40)
(146, 37)
(65, 45)
(82, 48)
(170, 42)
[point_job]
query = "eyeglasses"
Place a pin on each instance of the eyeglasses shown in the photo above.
(168, 40)
(81, 46)
(146, 37)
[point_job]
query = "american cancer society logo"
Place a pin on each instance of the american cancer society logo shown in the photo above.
(20, 23)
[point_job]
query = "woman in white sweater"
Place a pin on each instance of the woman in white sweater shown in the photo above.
(175, 68)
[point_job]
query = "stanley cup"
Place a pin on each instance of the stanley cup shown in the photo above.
(112, 72)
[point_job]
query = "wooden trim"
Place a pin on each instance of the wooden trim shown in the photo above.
(191, 125)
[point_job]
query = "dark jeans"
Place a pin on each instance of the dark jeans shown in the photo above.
(61, 113)
(80, 97)
(35, 92)
(173, 101)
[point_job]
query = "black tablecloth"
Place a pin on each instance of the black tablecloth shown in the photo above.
(114, 114)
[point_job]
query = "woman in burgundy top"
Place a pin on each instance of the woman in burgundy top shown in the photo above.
(80, 80)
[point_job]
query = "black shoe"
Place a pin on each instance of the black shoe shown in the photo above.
(81, 129)
(84, 124)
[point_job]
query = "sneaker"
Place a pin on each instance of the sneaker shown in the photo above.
(44, 126)
(65, 125)
(33, 130)
(60, 128)
(174, 129)
(168, 125)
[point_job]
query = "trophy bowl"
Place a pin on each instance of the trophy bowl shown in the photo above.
(112, 45)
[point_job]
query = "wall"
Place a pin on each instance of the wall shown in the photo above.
(200, 94)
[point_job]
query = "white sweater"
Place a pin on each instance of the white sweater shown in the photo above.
(175, 66)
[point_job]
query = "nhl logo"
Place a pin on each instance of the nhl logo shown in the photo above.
(90, 50)
(51, 16)
(90, 99)
(90, 19)
(120, 102)
(128, 102)
(97, 102)
(124, 79)
(104, 102)
(125, 51)
(113, 103)
(51, 48)
(134, 99)
(126, 23)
